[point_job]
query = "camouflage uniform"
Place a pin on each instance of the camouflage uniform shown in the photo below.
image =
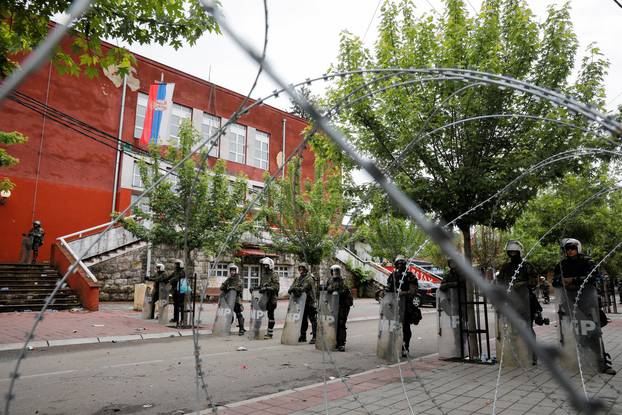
(270, 287)
(522, 289)
(159, 278)
(345, 302)
(36, 234)
(306, 284)
(178, 297)
(234, 282)
(409, 286)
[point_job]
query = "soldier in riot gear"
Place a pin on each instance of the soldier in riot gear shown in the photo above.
(522, 288)
(158, 278)
(234, 282)
(338, 284)
(178, 279)
(451, 306)
(570, 274)
(305, 283)
(269, 286)
(36, 235)
(407, 284)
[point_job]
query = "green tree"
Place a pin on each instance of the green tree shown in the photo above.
(201, 205)
(451, 171)
(390, 236)
(456, 168)
(5, 158)
(306, 214)
(24, 24)
(597, 223)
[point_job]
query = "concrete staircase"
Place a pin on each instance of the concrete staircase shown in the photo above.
(115, 252)
(25, 287)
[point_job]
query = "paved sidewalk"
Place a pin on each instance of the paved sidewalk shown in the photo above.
(441, 387)
(116, 322)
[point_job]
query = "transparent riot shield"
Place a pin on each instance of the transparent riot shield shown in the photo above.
(259, 303)
(293, 319)
(450, 340)
(390, 335)
(224, 313)
(328, 313)
(148, 302)
(515, 350)
(582, 334)
(163, 294)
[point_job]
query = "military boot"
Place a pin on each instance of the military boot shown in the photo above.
(241, 325)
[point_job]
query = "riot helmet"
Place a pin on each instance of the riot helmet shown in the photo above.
(267, 263)
(400, 262)
(233, 269)
(569, 244)
(335, 271)
(514, 246)
(303, 268)
(159, 267)
(36, 224)
(179, 263)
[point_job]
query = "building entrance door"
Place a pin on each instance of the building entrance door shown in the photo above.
(250, 276)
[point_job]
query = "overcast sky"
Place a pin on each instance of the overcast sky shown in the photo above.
(304, 34)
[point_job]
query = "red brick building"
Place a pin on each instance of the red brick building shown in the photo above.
(66, 179)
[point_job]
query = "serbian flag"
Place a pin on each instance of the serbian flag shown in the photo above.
(159, 107)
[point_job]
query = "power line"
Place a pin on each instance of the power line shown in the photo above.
(618, 3)
(371, 20)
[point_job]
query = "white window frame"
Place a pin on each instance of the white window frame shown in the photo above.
(141, 113)
(237, 143)
(261, 151)
(143, 204)
(220, 269)
(283, 271)
(178, 114)
(137, 180)
(209, 125)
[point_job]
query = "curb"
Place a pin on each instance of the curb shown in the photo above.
(314, 385)
(40, 344)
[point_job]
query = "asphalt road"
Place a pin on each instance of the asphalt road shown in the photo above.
(158, 376)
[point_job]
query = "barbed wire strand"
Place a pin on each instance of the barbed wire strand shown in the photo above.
(413, 210)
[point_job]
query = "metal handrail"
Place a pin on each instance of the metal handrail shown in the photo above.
(83, 231)
(86, 269)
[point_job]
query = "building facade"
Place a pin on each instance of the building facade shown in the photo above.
(66, 174)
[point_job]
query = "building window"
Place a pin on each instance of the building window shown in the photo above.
(209, 126)
(219, 270)
(178, 114)
(283, 271)
(137, 180)
(260, 158)
(141, 112)
(143, 204)
(237, 141)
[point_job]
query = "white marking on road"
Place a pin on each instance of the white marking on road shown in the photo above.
(37, 375)
(147, 362)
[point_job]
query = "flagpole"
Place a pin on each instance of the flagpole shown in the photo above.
(119, 141)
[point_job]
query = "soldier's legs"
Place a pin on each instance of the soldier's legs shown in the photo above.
(407, 333)
(154, 299)
(313, 317)
(238, 313)
(35, 253)
(342, 329)
(304, 325)
(270, 308)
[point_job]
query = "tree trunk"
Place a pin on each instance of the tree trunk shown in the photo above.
(474, 352)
